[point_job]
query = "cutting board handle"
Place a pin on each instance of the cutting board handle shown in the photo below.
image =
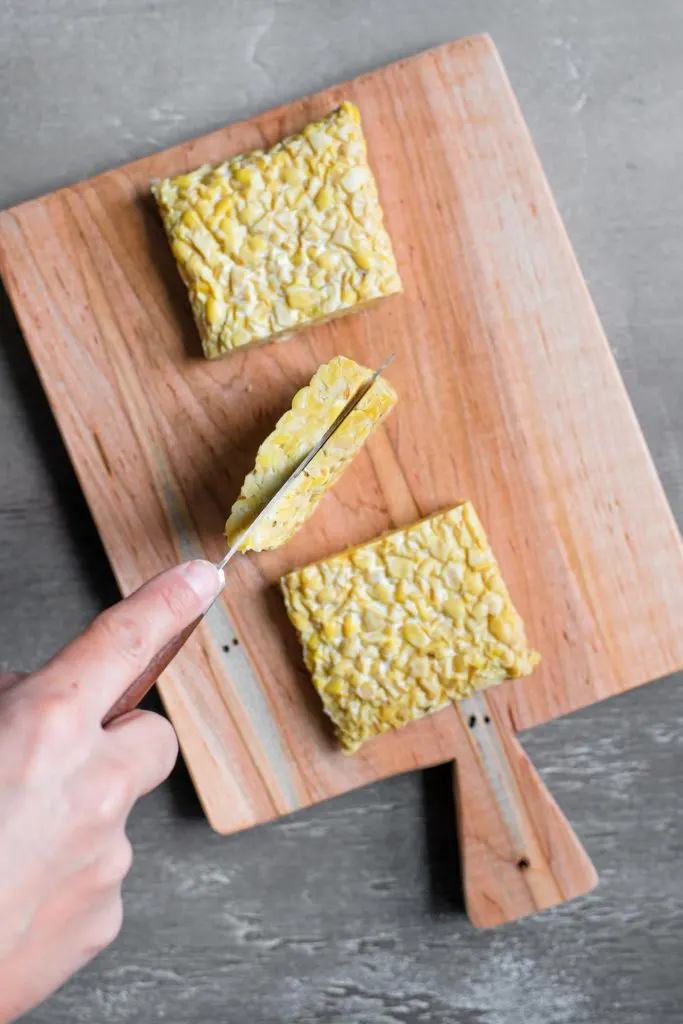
(519, 852)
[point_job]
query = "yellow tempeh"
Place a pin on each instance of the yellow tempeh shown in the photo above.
(399, 627)
(272, 241)
(313, 410)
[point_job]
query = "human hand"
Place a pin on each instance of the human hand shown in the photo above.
(67, 786)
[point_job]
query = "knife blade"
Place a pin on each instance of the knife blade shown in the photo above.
(300, 468)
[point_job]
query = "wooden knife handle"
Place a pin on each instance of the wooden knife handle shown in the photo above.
(519, 852)
(129, 700)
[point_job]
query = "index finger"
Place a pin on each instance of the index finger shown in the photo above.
(98, 666)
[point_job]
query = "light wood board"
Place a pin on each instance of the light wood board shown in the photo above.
(509, 396)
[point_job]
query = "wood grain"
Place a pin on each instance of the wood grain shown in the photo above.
(519, 853)
(509, 396)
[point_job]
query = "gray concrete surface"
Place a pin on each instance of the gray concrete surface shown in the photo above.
(351, 912)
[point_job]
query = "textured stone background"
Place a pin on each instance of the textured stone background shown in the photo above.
(351, 912)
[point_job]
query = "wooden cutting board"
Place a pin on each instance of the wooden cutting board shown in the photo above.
(509, 396)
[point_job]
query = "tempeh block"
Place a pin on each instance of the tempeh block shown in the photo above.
(401, 626)
(272, 241)
(314, 409)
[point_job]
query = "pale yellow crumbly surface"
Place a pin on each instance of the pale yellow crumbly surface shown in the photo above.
(399, 627)
(314, 409)
(272, 241)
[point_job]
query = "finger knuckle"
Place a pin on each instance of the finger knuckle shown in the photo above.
(114, 865)
(164, 744)
(125, 633)
(126, 857)
(109, 924)
(113, 794)
(167, 741)
(56, 721)
(159, 749)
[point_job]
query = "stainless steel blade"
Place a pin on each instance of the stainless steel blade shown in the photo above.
(306, 461)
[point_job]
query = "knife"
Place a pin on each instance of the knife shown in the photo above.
(130, 699)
